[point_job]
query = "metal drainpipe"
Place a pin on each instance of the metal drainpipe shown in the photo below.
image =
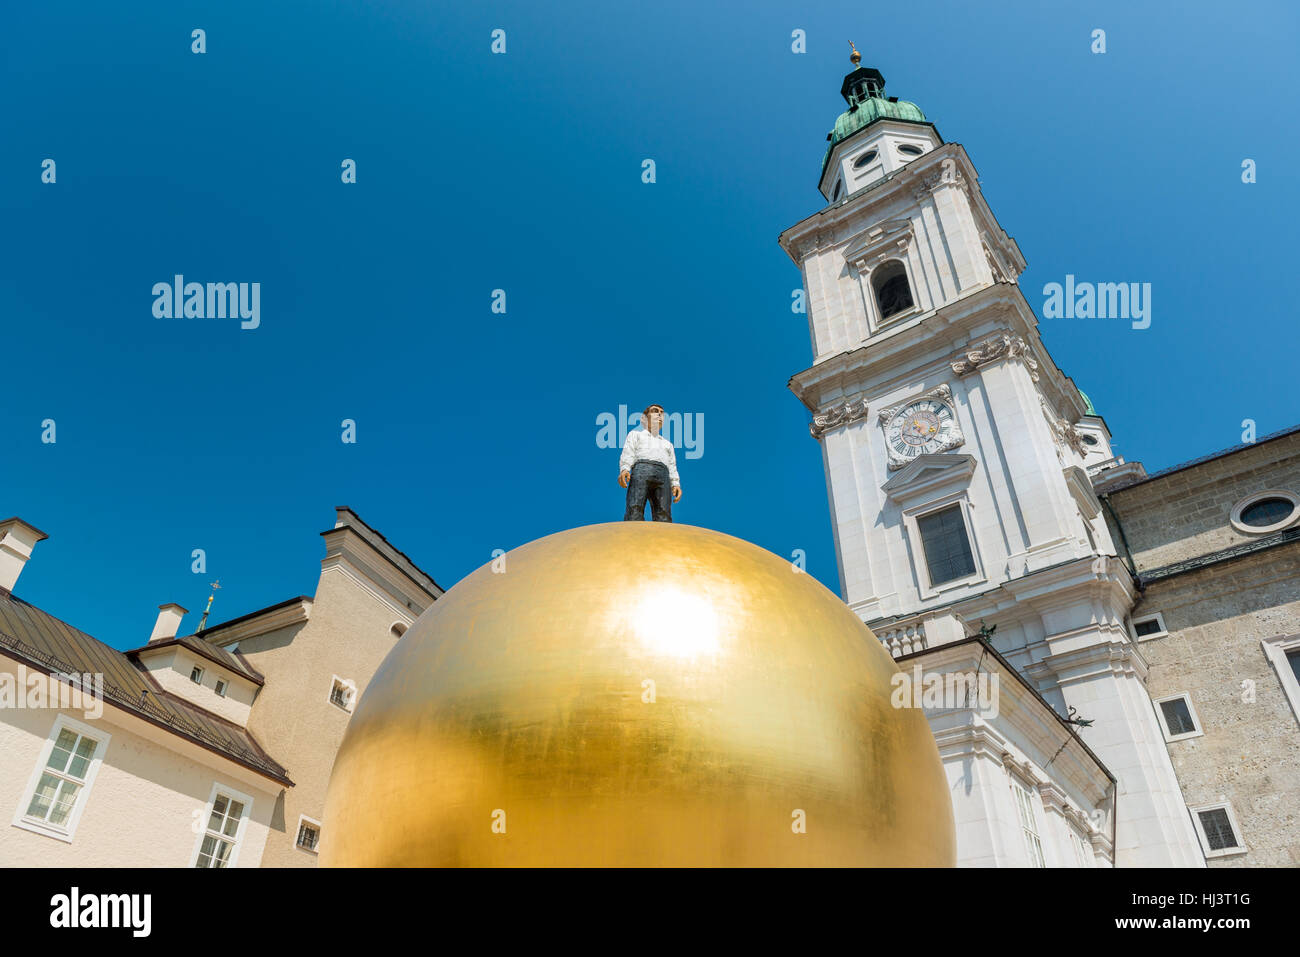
(1128, 554)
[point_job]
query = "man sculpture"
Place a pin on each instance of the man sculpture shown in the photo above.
(648, 469)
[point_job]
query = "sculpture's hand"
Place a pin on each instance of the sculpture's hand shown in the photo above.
(677, 494)
(624, 478)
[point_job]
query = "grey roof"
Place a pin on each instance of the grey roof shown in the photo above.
(1201, 460)
(38, 639)
(206, 649)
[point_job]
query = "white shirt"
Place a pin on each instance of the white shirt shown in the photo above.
(642, 446)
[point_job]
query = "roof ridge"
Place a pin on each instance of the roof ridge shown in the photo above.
(1210, 457)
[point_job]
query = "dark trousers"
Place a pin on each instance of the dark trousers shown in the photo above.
(649, 481)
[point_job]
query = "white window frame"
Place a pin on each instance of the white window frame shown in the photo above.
(238, 838)
(872, 252)
(910, 518)
(199, 680)
(1254, 497)
(350, 694)
(1031, 804)
(1191, 709)
(1276, 649)
(64, 832)
(1157, 617)
(320, 833)
(1200, 830)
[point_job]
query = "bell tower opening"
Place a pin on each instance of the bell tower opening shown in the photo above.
(893, 294)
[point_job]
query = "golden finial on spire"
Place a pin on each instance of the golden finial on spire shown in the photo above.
(856, 57)
(216, 585)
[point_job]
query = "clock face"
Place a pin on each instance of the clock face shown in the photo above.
(926, 425)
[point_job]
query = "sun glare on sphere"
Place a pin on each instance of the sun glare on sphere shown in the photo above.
(677, 623)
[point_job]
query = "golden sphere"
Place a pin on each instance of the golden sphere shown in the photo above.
(640, 694)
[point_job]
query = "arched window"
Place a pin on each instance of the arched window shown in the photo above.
(889, 283)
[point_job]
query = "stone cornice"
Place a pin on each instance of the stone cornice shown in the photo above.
(1088, 663)
(1059, 585)
(1022, 708)
(932, 182)
(293, 612)
(901, 347)
(818, 230)
(970, 740)
(882, 241)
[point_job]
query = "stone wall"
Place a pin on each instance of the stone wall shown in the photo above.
(1249, 754)
(1186, 514)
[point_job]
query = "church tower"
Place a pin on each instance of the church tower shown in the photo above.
(958, 481)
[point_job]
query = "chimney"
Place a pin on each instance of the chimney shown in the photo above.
(17, 539)
(169, 621)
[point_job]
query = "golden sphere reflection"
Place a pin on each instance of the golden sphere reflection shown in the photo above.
(641, 694)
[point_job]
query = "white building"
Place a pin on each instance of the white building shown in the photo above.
(957, 461)
(170, 758)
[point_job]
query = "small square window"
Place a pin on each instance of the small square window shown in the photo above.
(196, 675)
(343, 693)
(1218, 831)
(1178, 717)
(308, 835)
(220, 688)
(1149, 626)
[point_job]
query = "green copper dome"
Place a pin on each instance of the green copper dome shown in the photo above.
(864, 91)
(872, 109)
(1087, 403)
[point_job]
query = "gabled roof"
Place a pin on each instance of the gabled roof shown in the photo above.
(235, 663)
(39, 640)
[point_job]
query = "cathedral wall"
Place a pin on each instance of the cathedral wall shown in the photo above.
(1188, 513)
(1217, 621)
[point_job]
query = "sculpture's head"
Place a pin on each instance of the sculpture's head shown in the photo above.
(652, 419)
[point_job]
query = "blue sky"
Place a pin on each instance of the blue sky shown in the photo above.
(522, 172)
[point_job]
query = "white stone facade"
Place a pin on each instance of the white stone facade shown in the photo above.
(1013, 465)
